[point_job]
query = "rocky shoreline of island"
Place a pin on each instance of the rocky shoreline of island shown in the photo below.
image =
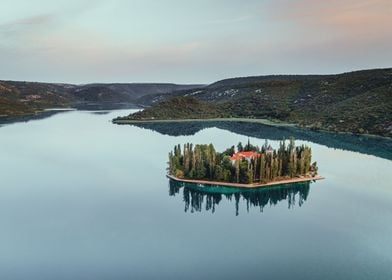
(281, 181)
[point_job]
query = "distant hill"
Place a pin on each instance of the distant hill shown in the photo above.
(357, 102)
(179, 107)
(23, 98)
(125, 92)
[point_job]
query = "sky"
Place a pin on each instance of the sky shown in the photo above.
(183, 41)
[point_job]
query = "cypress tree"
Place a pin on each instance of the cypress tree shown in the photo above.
(237, 170)
(240, 148)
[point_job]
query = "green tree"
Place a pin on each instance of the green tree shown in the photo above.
(237, 170)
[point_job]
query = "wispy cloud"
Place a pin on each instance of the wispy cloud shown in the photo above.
(48, 18)
(31, 21)
(31, 31)
(345, 30)
(353, 17)
(128, 40)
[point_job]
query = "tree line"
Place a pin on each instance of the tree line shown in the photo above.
(203, 162)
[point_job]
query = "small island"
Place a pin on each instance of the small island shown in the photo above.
(245, 166)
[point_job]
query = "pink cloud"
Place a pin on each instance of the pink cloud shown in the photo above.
(353, 18)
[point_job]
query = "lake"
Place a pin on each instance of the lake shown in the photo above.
(82, 198)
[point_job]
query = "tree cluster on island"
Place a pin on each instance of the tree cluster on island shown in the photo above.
(238, 165)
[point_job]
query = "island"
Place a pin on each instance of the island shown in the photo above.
(244, 166)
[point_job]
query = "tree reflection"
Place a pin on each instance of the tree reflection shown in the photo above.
(377, 146)
(206, 198)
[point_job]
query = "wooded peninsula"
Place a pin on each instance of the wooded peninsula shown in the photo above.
(244, 164)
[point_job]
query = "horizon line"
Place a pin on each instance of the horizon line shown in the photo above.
(198, 84)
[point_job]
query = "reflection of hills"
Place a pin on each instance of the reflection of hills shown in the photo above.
(380, 147)
(198, 199)
(95, 108)
(37, 116)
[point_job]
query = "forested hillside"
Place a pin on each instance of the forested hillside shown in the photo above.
(357, 102)
(24, 98)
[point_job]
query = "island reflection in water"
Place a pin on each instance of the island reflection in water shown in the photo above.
(207, 198)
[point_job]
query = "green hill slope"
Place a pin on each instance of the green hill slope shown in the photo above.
(356, 102)
(25, 98)
(178, 108)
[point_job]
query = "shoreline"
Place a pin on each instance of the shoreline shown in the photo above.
(38, 112)
(248, 120)
(260, 121)
(247, 186)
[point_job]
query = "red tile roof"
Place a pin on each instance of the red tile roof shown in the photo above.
(241, 155)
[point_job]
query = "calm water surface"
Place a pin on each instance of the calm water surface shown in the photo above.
(82, 198)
